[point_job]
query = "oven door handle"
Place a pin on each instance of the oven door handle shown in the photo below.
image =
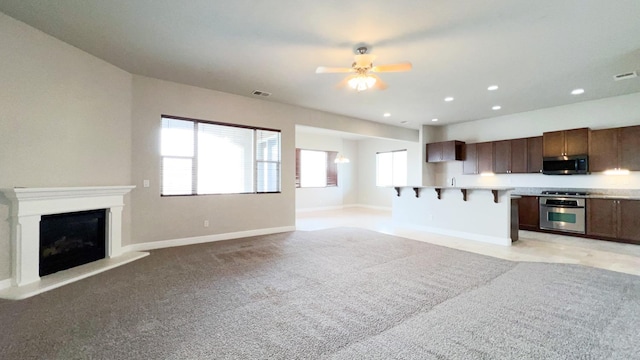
(563, 206)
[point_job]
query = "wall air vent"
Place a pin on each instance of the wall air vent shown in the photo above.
(625, 76)
(261, 93)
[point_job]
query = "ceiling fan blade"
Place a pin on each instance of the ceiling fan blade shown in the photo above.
(327, 70)
(380, 85)
(392, 67)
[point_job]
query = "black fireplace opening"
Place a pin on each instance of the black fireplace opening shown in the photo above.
(71, 239)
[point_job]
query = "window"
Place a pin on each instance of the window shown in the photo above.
(316, 168)
(200, 157)
(391, 168)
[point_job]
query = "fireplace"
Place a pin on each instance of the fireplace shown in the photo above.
(71, 239)
(35, 209)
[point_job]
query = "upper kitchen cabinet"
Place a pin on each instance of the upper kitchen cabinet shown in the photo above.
(485, 154)
(617, 148)
(603, 150)
(470, 163)
(479, 158)
(534, 154)
(629, 148)
(566, 142)
(445, 151)
(510, 156)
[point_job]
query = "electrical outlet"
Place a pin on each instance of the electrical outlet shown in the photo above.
(206, 223)
(145, 183)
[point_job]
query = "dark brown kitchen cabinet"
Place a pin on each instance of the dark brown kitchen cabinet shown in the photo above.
(629, 220)
(534, 154)
(615, 148)
(601, 217)
(485, 157)
(629, 148)
(519, 156)
(528, 213)
(603, 150)
(566, 142)
(510, 156)
(479, 158)
(502, 155)
(445, 151)
(614, 219)
(470, 163)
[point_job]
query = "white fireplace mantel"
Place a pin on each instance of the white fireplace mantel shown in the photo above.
(29, 204)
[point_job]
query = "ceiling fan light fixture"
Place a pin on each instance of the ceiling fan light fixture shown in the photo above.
(362, 82)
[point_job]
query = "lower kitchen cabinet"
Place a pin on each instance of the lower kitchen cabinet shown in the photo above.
(528, 213)
(602, 217)
(629, 220)
(614, 219)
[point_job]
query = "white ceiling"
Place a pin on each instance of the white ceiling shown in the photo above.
(536, 51)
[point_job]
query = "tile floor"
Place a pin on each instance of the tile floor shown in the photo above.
(532, 246)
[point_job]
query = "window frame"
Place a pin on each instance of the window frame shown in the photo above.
(194, 158)
(331, 170)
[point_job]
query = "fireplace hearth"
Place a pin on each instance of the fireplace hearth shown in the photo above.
(71, 239)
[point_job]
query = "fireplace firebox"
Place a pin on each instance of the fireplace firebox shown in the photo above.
(71, 239)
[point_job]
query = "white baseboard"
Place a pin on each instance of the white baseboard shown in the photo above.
(372, 207)
(341, 207)
(5, 284)
(204, 239)
(322, 208)
(465, 235)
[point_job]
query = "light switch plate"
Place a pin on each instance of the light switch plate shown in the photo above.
(145, 183)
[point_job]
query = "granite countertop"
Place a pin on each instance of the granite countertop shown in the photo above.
(622, 194)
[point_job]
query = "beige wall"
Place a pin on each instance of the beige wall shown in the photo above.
(165, 218)
(65, 119)
(158, 218)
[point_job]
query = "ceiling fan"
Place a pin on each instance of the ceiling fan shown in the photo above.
(363, 69)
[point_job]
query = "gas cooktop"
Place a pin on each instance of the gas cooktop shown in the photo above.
(557, 192)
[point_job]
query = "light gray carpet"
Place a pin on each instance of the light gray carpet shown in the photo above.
(331, 294)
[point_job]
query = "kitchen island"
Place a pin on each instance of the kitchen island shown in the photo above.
(474, 212)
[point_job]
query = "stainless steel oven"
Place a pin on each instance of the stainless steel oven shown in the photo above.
(563, 214)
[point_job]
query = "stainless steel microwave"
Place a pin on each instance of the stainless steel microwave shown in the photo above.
(565, 165)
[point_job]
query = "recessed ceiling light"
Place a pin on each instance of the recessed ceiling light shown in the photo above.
(497, 107)
(434, 120)
(492, 87)
(449, 98)
(386, 114)
(577, 91)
